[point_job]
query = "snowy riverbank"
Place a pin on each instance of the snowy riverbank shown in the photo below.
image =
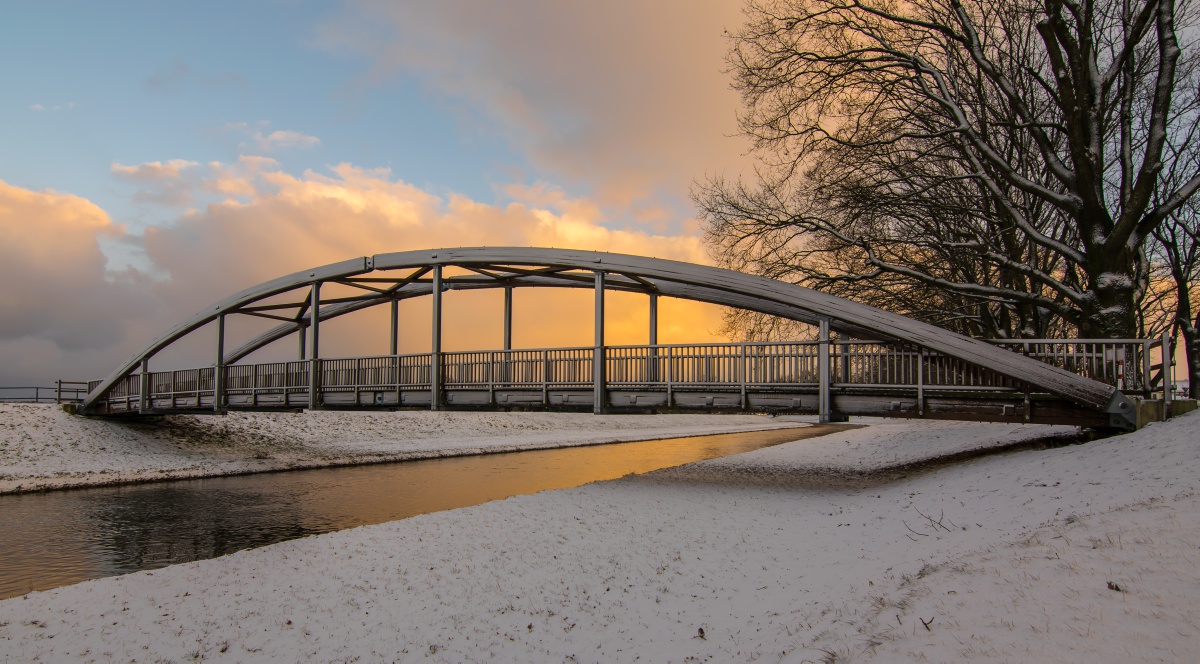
(1080, 553)
(41, 447)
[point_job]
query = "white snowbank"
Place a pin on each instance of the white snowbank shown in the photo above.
(42, 447)
(1009, 557)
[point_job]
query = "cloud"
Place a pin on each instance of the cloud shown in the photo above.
(170, 183)
(81, 319)
(282, 139)
(42, 108)
(153, 171)
(179, 75)
(628, 97)
(58, 289)
(263, 139)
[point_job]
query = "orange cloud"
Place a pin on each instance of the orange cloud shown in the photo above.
(295, 222)
(628, 96)
(57, 288)
(80, 320)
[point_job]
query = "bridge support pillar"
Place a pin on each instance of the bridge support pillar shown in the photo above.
(435, 355)
(219, 368)
(652, 374)
(314, 353)
(508, 295)
(394, 343)
(144, 394)
(598, 377)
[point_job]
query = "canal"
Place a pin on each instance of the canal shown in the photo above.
(58, 538)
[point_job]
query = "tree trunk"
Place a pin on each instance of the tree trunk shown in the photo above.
(1110, 311)
(1189, 327)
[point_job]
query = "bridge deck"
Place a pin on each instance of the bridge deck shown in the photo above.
(863, 378)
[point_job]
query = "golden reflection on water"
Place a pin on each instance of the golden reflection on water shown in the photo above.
(63, 537)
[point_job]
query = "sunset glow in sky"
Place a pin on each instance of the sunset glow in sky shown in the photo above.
(156, 157)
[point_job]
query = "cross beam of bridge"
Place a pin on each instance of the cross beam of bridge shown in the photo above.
(912, 368)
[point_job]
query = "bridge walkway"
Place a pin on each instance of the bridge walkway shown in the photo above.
(861, 378)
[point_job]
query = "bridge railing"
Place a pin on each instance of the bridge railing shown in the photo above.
(1125, 363)
(853, 364)
(62, 391)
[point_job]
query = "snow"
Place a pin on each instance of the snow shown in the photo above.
(43, 447)
(830, 554)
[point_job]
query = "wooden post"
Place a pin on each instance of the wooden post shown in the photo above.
(303, 341)
(435, 353)
(598, 406)
(219, 369)
(824, 403)
(314, 346)
(144, 397)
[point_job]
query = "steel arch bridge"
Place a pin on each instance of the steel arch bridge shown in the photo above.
(879, 363)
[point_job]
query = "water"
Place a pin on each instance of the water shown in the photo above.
(62, 537)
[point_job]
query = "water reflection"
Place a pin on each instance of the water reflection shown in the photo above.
(58, 538)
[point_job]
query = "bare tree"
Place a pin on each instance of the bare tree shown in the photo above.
(992, 166)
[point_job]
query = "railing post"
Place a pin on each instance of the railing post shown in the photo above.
(824, 401)
(491, 363)
(435, 355)
(598, 406)
(144, 397)
(545, 378)
(314, 369)
(742, 375)
(1146, 367)
(670, 395)
(921, 381)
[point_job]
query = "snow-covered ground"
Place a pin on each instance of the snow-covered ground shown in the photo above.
(42, 447)
(1081, 553)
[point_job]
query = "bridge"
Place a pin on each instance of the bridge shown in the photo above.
(864, 361)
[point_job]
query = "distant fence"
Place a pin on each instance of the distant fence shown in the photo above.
(63, 391)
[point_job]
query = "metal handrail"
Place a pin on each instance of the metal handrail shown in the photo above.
(853, 364)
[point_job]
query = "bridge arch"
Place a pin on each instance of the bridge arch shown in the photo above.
(391, 277)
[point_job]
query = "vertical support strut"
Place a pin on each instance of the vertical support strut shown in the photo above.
(508, 297)
(824, 402)
(394, 343)
(143, 397)
(598, 406)
(303, 335)
(314, 346)
(506, 371)
(652, 374)
(219, 369)
(435, 353)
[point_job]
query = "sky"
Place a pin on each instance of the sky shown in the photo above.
(157, 157)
